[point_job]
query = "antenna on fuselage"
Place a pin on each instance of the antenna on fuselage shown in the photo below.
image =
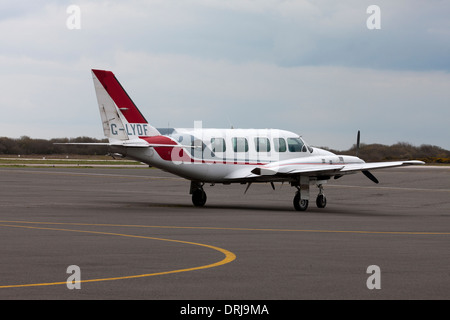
(229, 122)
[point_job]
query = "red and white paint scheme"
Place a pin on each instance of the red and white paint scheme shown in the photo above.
(225, 156)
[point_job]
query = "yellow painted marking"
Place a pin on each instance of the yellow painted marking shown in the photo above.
(229, 257)
(239, 229)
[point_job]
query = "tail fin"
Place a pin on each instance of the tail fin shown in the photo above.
(121, 119)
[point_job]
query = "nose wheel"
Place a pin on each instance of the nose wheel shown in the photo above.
(321, 200)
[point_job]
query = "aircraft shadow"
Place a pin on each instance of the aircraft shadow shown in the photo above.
(350, 211)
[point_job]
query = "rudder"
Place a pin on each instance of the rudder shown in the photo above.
(121, 119)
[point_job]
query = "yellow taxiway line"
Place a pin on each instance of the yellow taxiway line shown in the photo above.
(229, 256)
(235, 229)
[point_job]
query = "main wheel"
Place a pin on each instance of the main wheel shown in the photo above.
(300, 204)
(199, 198)
(321, 201)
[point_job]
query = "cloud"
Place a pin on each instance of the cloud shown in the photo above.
(287, 33)
(327, 104)
(312, 67)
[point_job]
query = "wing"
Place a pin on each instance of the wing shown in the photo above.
(280, 173)
(287, 170)
(378, 165)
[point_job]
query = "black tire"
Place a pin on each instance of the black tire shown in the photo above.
(199, 198)
(321, 201)
(300, 204)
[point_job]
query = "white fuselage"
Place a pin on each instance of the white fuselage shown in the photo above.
(219, 155)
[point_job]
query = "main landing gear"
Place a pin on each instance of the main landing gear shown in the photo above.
(299, 203)
(198, 194)
(301, 198)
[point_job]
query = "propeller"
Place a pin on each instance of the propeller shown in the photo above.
(365, 172)
(370, 176)
(357, 142)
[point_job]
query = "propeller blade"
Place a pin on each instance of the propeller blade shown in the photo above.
(357, 142)
(370, 176)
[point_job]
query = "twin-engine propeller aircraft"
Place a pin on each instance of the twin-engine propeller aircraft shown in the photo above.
(225, 156)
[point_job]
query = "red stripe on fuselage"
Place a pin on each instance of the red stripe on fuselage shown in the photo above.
(168, 153)
(120, 97)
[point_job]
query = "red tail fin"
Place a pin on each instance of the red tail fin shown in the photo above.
(120, 97)
(121, 119)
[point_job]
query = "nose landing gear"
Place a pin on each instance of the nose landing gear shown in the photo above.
(321, 200)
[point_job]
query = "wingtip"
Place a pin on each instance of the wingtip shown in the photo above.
(413, 162)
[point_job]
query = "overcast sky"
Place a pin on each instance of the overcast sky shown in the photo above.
(312, 67)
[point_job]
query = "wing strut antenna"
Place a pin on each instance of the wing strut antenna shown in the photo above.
(248, 186)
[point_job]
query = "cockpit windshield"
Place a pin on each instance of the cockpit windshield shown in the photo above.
(298, 145)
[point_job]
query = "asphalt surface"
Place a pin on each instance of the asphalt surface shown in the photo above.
(134, 234)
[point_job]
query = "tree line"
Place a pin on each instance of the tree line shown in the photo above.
(369, 152)
(399, 151)
(28, 146)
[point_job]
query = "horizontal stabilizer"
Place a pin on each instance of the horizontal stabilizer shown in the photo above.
(128, 144)
(84, 143)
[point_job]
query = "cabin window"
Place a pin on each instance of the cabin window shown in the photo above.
(218, 145)
(279, 144)
(262, 145)
(240, 144)
(296, 145)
